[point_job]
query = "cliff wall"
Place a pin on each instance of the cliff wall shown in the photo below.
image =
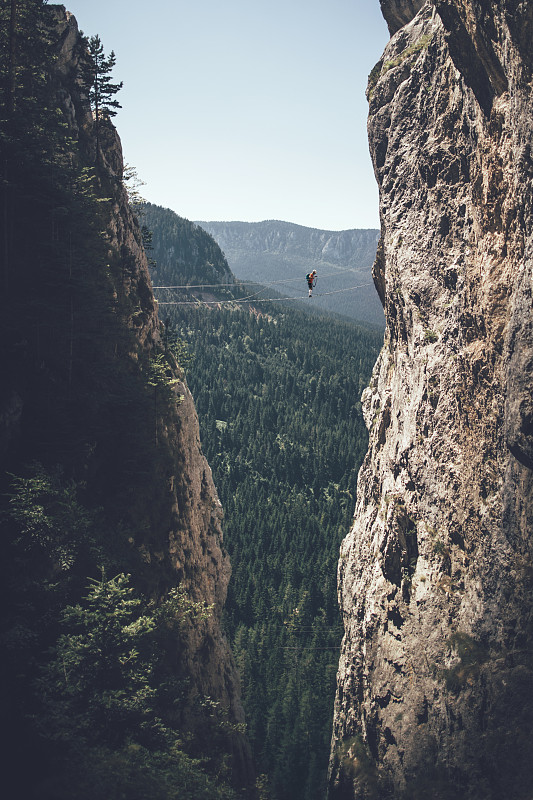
(80, 331)
(435, 577)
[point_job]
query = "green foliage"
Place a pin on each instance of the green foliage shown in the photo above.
(21, 67)
(92, 674)
(52, 523)
(416, 47)
(181, 248)
(373, 78)
(133, 183)
(160, 375)
(96, 77)
(430, 336)
(179, 349)
(98, 684)
(161, 379)
(439, 548)
(103, 705)
(382, 67)
(136, 773)
(281, 425)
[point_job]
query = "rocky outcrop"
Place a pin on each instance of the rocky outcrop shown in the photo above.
(435, 577)
(145, 471)
(398, 13)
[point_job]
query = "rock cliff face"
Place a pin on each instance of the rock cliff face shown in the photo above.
(184, 529)
(167, 499)
(435, 577)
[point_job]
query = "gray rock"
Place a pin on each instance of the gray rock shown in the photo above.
(398, 13)
(435, 679)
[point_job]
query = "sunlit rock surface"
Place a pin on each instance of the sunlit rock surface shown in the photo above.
(435, 682)
(398, 13)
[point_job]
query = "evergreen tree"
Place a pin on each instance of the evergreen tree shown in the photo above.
(96, 76)
(89, 675)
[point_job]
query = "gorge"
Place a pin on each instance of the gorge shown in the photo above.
(117, 675)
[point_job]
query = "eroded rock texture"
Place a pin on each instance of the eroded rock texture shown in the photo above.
(435, 683)
(398, 13)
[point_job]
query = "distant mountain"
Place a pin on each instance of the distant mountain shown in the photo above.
(281, 253)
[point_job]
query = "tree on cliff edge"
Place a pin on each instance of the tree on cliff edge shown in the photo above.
(96, 76)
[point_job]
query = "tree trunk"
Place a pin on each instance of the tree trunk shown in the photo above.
(12, 68)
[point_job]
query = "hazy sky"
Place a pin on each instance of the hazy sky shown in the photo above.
(246, 109)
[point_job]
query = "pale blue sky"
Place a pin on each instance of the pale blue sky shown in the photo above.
(246, 109)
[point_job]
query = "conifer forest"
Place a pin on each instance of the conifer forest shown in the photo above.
(277, 395)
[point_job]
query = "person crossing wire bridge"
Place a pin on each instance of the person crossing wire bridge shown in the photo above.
(311, 278)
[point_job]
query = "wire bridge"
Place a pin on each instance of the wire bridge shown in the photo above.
(255, 297)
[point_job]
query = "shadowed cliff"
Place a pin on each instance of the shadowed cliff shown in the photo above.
(102, 469)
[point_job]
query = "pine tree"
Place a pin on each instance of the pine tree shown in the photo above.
(96, 76)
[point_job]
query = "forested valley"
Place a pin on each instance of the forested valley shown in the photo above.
(278, 396)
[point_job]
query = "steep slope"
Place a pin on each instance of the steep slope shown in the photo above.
(182, 248)
(90, 392)
(283, 253)
(436, 673)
